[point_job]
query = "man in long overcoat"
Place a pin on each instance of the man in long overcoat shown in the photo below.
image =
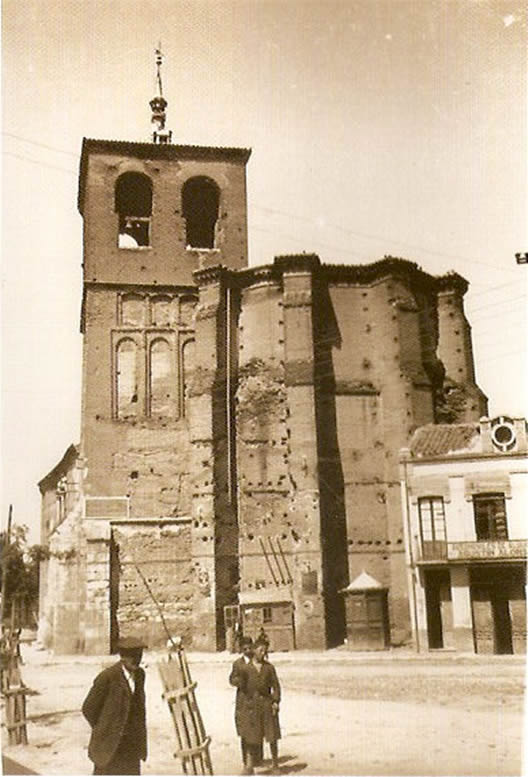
(115, 709)
(259, 708)
(238, 679)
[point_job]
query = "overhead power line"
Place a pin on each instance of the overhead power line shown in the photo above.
(289, 215)
(493, 304)
(369, 236)
(41, 145)
(39, 162)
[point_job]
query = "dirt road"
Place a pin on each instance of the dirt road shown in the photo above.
(342, 714)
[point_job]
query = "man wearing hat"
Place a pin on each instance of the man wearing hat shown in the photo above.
(115, 709)
(239, 680)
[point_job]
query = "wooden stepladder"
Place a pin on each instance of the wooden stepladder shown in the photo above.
(13, 689)
(179, 692)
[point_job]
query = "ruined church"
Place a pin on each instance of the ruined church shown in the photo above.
(237, 466)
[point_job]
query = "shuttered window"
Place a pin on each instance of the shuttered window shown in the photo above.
(490, 517)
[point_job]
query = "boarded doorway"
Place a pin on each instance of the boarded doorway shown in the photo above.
(367, 614)
(499, 608)
(492, 625)
(271, 610)
(275, 619)
(367, 620)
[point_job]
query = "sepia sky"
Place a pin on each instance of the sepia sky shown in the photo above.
(377, 127)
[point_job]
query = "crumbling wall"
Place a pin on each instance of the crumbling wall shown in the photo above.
(214, 538)
(338, 366)
(278, 499)
(162, 552)
(62, 594)
(460, 399)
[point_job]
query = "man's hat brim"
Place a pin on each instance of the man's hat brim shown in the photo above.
(130, 644)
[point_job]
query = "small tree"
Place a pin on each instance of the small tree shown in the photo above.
(21, 571)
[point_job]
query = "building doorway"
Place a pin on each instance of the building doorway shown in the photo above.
(502, 625)
(439, 609)
(492, 624)
(499, 608)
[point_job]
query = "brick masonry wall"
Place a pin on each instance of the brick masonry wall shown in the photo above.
(163, 554)
(166, 260)
(279, 400)
(278, 499)
(145, 458)
(371, 358)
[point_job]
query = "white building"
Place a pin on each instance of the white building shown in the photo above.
(465, 499)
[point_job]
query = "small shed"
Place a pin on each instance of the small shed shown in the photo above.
(270, 609)
(367, 614)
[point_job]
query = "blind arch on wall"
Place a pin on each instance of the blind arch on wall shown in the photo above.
(126, 378)
(187, 364)
(161, 379)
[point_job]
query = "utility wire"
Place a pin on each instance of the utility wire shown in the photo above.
(506, 303)
(39, 162)
(493, 287)
(414, 247)
(41, 145)
(295, 216)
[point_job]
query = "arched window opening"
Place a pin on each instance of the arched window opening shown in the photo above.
(187, 364)
(200, 198)
(133, 203)
(126, 379)
(161, 375)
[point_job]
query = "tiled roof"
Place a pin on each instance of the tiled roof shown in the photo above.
(439, 439)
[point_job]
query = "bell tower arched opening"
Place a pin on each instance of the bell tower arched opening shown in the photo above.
(200, 200)
(133, 203)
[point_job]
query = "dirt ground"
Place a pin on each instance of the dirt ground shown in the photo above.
(342, 714)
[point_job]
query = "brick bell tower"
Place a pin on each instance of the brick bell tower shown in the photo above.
(153, 214)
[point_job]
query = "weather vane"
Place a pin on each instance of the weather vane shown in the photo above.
(158, 104)
(159, 62)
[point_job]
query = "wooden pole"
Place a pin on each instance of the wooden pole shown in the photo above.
(158, 606)
(270, 567)
(5, 563)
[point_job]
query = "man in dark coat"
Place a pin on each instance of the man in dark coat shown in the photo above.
(259, 708)
(238, 679)
(115, 709)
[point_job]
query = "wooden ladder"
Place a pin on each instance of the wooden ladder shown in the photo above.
(179, 692)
